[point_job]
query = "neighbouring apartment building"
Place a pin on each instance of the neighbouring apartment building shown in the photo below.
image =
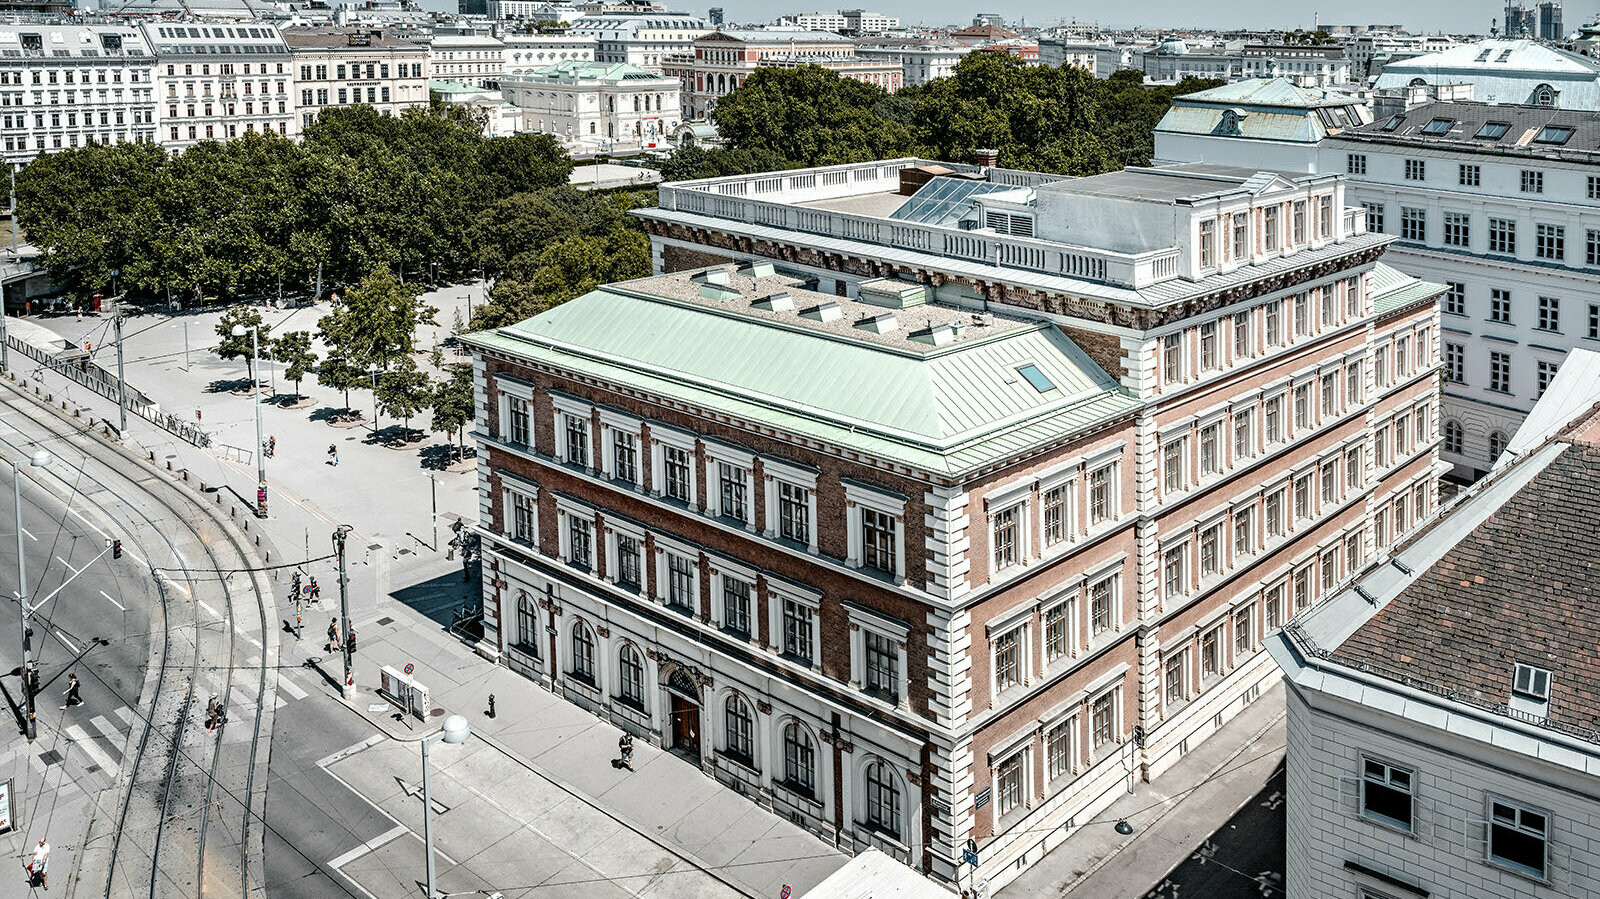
(217, 80)
(726, 58)
(595, 104)
(66, 86)
(475, 59)
(526, 52)
(923, 502)
(1501, 203)
(921, 60)
(1443, 726)
(643, 39)
(344, 68)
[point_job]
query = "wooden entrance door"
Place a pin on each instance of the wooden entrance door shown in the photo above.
(685, 726)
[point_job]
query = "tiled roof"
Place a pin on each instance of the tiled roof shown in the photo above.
(1523, 587)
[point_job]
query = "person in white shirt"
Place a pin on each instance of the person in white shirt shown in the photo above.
(39, 865)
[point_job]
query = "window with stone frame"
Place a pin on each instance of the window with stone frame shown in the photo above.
(794, 513)
(797, 621)
(1352, 384)
(883, 799)
(1457, 229)
(739, 729)
(1302, 407)
(580, 541)
(1328, 477)
(1242, 637)
(1174, 571)
(678, 465)
(1273, 505)
(680, 582)
(1243, 439)
(1275, 607)
(1244, 531)
(630, 676)
(1007, 536)
(1211, 654)
(882, 665)
(524, 517)
(1455, 298)
(1503, 236)
(1057, 514)
(528, 629)
(577, 442)
(1550, 242)
(1175, 677)
(1058, 631)
(799, 760)
(1008, 784)
(1500, 305)
(1274, 323)
(1103, 721)
(1008, 660)
(733, 493)
(1328, 392)
(583, 653)
(1208, 243)
(1519, 838)
(1102, 606)
(736, 606)
(519, 429)
(1210, 359)
(1210, 449)
(1241, 336)
(1210, 550)
(1274, 420)
(1102, 500)
(878, 530)
(625, 457)
(629, 554)
(1241, 236)
(1060, 749)
(1172, 358)
(1172, 464)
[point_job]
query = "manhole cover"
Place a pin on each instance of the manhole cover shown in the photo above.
(50, 757)
(385, 620)
(405, 552)
(437, 713)
(172, 455)
(375, 546)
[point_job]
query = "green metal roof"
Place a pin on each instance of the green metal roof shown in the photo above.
(945, 410)
(1392, 288)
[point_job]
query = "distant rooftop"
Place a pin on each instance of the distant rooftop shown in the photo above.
(1272, 92)
(758, 35)
(1491, 127)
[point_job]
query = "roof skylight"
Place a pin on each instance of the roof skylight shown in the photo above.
(1492, 131)
(1553, 134)
(1036, 378)
(1393, 123)
(1438, 126)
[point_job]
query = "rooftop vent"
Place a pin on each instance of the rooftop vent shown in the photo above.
(757, 270)
(823, 312)
(892, 294)
(718, 292)
(878, 324)
(713, 276)
(935, 335)
(777, 302)
(983, 319)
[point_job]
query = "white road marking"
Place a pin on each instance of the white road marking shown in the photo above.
(104, 727)
(290, 687)
(29, 533)
(113, 602)
(208, 608)
(91, 524)
(95, 753)
(63, 638)
(125, 713)
(69, 565)
(370, 845)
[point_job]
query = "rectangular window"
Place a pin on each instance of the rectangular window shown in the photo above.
(1328, 392)
(1503, 236)
(1208, 243)
(1244, 531)
(1055, 515)
(1594, 187)
(1172, 358)
(1209, 358)
(1547, 373)
(1172, 453)
(1274, 319)
(1329, 481)
(1102, 721)
(1241, 237)
(1241, 334)
(625, 457)
(1241, 634)
(1500, 305)
(736, 606)
(1274, 418)
(580, 540)
(878, 538)
(1550, 242)
(680, 582)
(1532, 182)
(1100, 498)
(1352, 467)
(1102, 612)
(1413, 224)
(1499, 372)
(1416, 170)
(1057, 621)
(1008, 661)
(732, 493)
(1375, 219)
(1210, 550)
(1387, 792)
(1519, 838)
(1302, 498)
(1302, 407)
(797, 630)
(1591, 247)
(1470, 175)
(1594, 321)
(1274, 607)
(522, 518)
(1302, 318)
(1269, 228)
(1455, 363)
(1058, 750)
(1008, 785)
(1549, 314)
(1173, 577)
(628, 554)
(1176, 667)
(1355, 163)
(1297, 223)
(577, 440)
(1243, 445)
(1457, 229)
(1455, 298)
(794, 513)
(1211, 654)
(1273, 505)
(1327, 308)
(1006, 527)
(676, 463)
(883, 665)
(1210, 450)
(518, 430)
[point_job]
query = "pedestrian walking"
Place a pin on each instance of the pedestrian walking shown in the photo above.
(333, 635)
(333, 455)
(316, 590)
(213, 713)
(39, 865)
(72, 692)
(625, 746)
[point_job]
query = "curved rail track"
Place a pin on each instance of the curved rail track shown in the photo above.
(185, 820)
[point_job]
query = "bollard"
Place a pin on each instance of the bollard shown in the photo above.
(233, 511)
(169, 465)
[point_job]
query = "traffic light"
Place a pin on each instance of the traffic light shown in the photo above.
(116, 549)
(350, 642)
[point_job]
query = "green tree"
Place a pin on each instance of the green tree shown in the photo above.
(338, 373)
(452, 404)
(375, 326)
(694, 162)
(244, 346)
(294, 350)
(509, 302)
(402, 392)
(810, 115)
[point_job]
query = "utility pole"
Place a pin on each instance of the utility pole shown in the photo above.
(344, 612)
(122, 381)
(433, 487)
(40, 458)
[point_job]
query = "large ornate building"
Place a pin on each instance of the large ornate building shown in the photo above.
(924, 503)
(68, 86)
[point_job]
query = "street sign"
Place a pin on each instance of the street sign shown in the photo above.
(6, 824)
(982, 799)
(784, 894)
(970, 857)
(306, 590)
(410, 668)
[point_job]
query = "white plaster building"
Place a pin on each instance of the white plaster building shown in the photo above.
(861, 21)
(349, 67)
(641, 39)
(816, 21)
(1270, 123)
(216, 80)
(1505, 71)
(1075, 53)
(64, 86)
(1502, 204)
(920, 61)
(526, 52)
(476, 59)
(532, 11)
(592, 105)
(1443, 727)
(1308, 66)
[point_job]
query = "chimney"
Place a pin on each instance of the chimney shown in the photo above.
(986, 158)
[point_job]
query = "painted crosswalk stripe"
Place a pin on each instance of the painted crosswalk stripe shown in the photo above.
(112, 601)
(105, 728)
(290, 687)
(125, 713)
(95, 753)
(63, 638)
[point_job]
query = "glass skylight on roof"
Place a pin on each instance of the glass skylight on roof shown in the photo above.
(1553, 134)
(1484, 56)
(1036, 378)
(942, 201)
(1492, 131)
(1393, 123)
(1438, 126)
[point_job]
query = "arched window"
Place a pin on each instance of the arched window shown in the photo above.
(1497, 445)
(582, 652)
(799, 760)
(883, 798)
(1544, 95)
(527, 624)
(1454, 438)
(739, 725)
(630, 676)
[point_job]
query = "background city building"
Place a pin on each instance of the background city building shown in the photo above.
(594, 105)
(644, 40)
(476, 59)
(68, 86)
(526, 52)
(724, 59)
(342, 68)
(218, 80)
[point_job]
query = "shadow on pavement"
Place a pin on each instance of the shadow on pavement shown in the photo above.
(439, 598)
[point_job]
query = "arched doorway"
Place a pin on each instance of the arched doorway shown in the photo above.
(683, 728)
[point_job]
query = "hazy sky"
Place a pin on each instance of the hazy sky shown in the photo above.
(1420, 15)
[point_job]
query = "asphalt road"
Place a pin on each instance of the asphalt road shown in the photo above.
(1243, 859)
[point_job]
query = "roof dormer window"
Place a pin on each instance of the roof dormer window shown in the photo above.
(1555, 135)
(1492, 131)
(1393, 123)
(1534, 683)
(1438, 127)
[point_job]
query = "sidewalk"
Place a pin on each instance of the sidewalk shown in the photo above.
(1170, 817)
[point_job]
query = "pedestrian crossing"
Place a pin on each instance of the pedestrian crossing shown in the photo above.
(102, 741)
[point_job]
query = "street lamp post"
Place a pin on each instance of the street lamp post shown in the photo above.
(455, 730)
(255, 378)
(39, 459)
